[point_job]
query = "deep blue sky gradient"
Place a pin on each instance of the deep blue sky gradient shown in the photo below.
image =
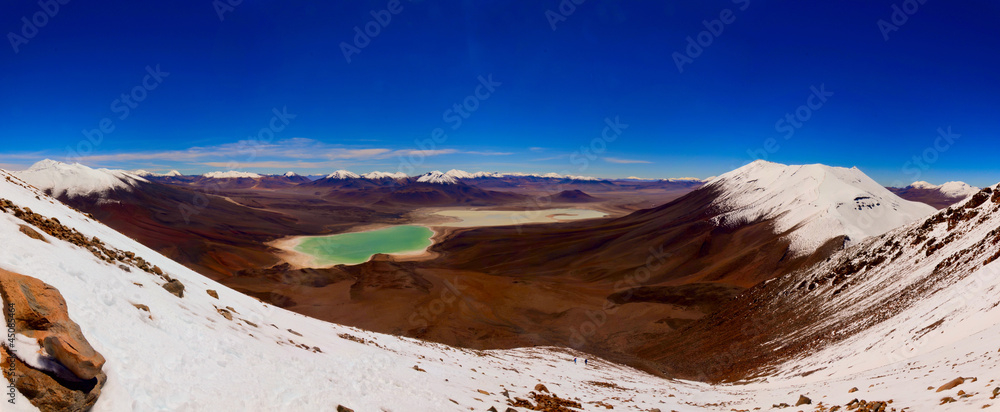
(607, 59)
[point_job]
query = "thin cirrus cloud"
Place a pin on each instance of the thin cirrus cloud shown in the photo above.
(624, 161)
(298, 153)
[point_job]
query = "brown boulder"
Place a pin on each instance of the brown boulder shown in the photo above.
(955, 382)
(803, 400)
(212, 293)
(175, 287)
(75, 378)
(32, 233)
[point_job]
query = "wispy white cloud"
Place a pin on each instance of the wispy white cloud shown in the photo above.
(488, 153)
(624, 161)
(298, 153)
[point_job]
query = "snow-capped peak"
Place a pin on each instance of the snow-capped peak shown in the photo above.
(438, 178)
(232, 174)
(145, 173)
(343, 175)
(814, 203)
(950, 189)
(76, 179)
(376, 175)
(291, 174)
(460, 174)
(958, 189)
(922, 185)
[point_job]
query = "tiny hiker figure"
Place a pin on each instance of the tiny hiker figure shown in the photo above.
(585, 362)
(574, 360)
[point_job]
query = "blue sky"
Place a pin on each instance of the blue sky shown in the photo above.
(552, 95)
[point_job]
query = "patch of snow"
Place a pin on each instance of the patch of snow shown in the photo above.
(291, 174)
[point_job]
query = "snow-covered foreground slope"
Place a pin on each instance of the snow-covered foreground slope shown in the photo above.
(928, 289)
(818, 202)
(186, 355)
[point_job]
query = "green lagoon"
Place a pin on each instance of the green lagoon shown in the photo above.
(358, 247)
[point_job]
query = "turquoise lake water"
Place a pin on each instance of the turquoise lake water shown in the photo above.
(354, 248)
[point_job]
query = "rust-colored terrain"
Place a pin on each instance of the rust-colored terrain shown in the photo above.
(617, 287)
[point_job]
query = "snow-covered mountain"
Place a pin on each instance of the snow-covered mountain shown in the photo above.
(74, 180)
(939, 196)
(232, 174)
(376, 175)
(343, 175)
(436, 177)
(951, 189)
(460, 174)
(813, 203)
(918, 304)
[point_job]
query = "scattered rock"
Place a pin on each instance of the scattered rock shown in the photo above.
(212, 293)
(951, 385)
(40, 313)
(225, 313)
(947, 399)
(996, 392)
(175, 287)
(28, 231)
(157, 271)
(852, 390)
(483, 392)
(492, 409)
(417, 368)
(803, 400)
(141, 307)
(541, 388)
(342, 408)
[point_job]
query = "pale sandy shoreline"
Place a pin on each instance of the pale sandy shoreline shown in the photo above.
(441, 225)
